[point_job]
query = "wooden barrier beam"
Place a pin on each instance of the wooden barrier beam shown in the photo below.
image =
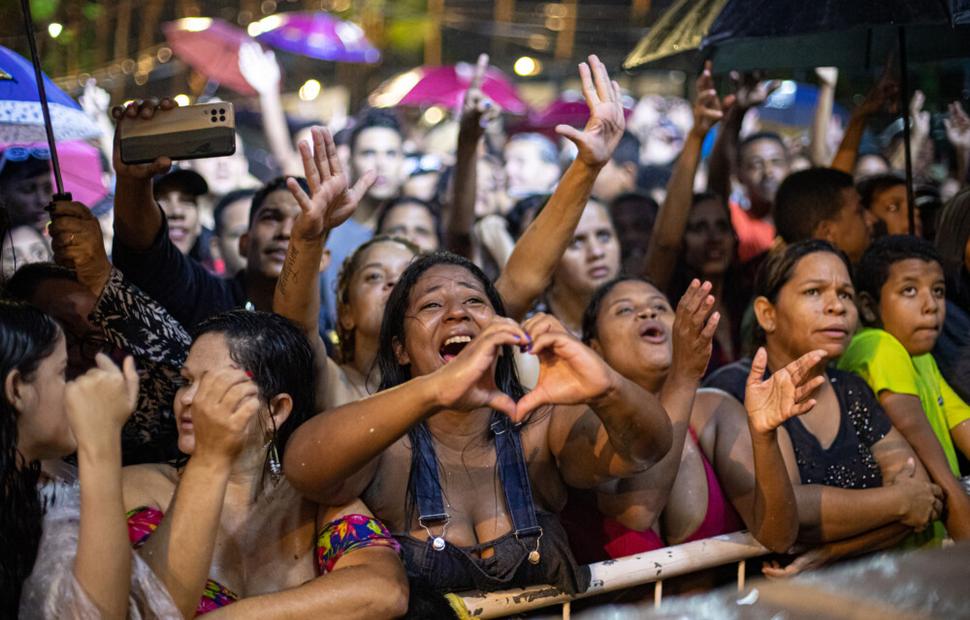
(623, 573)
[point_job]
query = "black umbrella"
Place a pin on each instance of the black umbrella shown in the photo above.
(772, 34)
(61, 195)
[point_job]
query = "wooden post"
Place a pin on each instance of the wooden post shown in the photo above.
(658, 594)
(432, 36)
(122, 45)
(504, 16)
(564, 42)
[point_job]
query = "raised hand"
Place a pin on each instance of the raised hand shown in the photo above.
(597, 141)
(77, 243)
(693, 333)
(94, 100)
(922, 501)
(784, 395)
(750, 90)
(144, 109)
(100, 401)
(570, 373)
(467, 382)
(920, 117)
(259, 68)
(223, 406)
(477, 110)
(957, 125)
(331, 200)
(884, 95)
(708, 108)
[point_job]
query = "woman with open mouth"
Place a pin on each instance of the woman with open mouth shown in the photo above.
(455, 458)
(632, 325)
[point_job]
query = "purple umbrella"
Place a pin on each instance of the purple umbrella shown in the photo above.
(317, 35)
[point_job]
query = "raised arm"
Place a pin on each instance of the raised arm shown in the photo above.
(668, 229)
(604, 426)
(262, 72)
(882, 95)
(138, 219)
(957, 125)
(538, 252)
(98, 403)
(750, 91)
(477, 110)
(818, 144)
(180, 551)
(330, 202)
(693, 333)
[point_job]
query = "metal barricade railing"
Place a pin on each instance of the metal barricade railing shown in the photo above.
(622, 573)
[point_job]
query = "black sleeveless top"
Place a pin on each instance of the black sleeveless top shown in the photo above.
(848, 463)
(535, 552)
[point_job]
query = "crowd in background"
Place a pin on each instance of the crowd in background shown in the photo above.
(422, 362)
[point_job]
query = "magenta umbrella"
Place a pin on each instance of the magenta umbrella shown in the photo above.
(317, 35)
(80, 164)
(211, 47)
(446, 86)
(569, 109)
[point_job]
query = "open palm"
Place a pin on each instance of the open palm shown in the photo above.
(784, 395)
(330, 202)
(597, 141)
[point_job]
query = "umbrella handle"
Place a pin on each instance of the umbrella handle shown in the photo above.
(42, 98)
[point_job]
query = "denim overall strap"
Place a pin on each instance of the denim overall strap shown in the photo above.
(514, 476)
(427, 484)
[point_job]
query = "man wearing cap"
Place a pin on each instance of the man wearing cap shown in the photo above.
(178, 193)
(25, 186)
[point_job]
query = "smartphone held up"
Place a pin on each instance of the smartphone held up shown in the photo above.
(187, 132)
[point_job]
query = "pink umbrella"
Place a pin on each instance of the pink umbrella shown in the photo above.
(445, 86)
(569, 109)
(211, 47)
(80, 167)
(317, 35)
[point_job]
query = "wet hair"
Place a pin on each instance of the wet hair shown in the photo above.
(392, 327)
(351, 265)
(433, 210)
(548, 152)
(277, 184)
(524, 211)
(278, 355)
(23, 284)
(27, 338)
(375, 118)
(872, 186)
(627, 150)
(778, 268)
(807, 198)
(952, 234)
(873, 269)
(757, 137)
(392, 330)
(224, 202)
(592, 311)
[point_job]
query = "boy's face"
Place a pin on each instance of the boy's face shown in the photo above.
(912, 303)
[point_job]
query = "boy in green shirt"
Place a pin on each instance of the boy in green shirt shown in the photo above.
(902, 301)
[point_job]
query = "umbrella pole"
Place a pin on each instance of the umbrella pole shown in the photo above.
(42, 93)
(904, 106)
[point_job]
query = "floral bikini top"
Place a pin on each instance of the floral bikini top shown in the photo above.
(341, 536)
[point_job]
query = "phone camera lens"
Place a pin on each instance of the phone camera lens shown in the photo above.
(222, 110)
(222, 118)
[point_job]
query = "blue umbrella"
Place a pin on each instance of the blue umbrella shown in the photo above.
(21, 117)
(793, 105)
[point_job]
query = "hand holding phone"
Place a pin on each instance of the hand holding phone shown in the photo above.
(149, 132)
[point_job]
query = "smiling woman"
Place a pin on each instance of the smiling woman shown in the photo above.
(430, 450)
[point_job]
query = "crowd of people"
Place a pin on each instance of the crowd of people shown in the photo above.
(414, 366)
